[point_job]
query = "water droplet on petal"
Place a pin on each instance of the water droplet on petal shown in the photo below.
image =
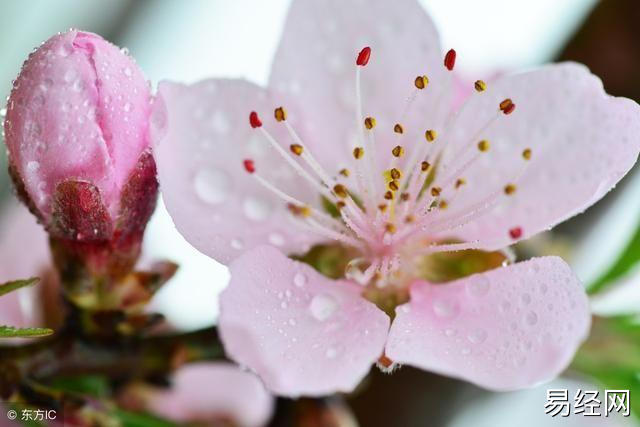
(525, 299)
(300, 280)
(237, 244)
(531, 318)
(256, 209)
(478, 286)
(212, 186)
(127, 72)
(445, 307)
(478, 336)
(323, 306)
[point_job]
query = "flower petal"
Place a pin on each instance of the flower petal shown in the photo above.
(316, 62)
(202, 136)
(506, 329)
(582, 140)
(209, 391)
(302, 333)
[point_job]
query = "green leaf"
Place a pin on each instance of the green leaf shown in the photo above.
(138, 419)
(629, 257)
(611, 355)
(93, 385)
(5, 288)
(11, 332)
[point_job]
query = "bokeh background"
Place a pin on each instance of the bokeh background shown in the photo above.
(190, 40)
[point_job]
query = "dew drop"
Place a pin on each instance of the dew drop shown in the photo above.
(478, 336)
(450, 332)
(292, 322)
(300, 280)
(127, 107)
(33, 166)
(525, 299)
(212, 186)
(237, 244)
(478, 287)
(505, 306)
(323, 306)
(127, 72)
(331, 353)
(445, 307)
(256, 209)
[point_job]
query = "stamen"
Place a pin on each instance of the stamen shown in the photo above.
(424, 166)
(515, 233)
(254, 120)
(297, 210)
(526, 154)
(431, 135)
(405, 197)
(450, 59)
(296, 149)
(280, 114)
(398, 128)
(460, 182)
(395, 173)
(363, 56)
(483, 146)
(370, 123)
(390, 227)
(340, 191)
(358, 152)
(249, 165)
(393, 185)
(507, 106)
(443, 204)
(345, 172)
(388, 195)
(509, 189)
(480, 86)
(435, 191)
(421, 82)
(382, 207)
(398, 150)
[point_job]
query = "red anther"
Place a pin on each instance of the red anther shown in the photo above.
(509, 109)
(363, 56)
(254, 120)
(450, 59)
(515, 233)
(249, 166)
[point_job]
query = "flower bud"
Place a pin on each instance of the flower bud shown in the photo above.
(77, 134)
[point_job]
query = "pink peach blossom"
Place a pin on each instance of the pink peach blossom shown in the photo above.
(530, 151)
(208, 391)
(78, 110)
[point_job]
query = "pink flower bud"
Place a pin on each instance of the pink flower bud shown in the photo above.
(77, 134)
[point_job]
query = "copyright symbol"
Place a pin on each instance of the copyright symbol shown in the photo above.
(12, 415)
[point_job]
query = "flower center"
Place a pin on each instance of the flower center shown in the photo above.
(389, 213)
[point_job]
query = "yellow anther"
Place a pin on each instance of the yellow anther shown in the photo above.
(526, 154)
(483, 145)
(431, 135)
(397, 128)
(345, 172)
(393, 185)
(405, 196)
(340, 204)
(460, 182)
(480, 86)
(296, 149)
(421, 82)
(303, 211)
(409, 219)
(280, 114)
(443, 204)
(395, 173)
(509, 189)
(358, 152)
(340, 191)
(388, 195)
(390, 227)
(369, 123)
(398, 151)
(435, 191)
(425, 166)
(382, 207)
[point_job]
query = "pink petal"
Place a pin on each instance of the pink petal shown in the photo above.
(202, 136)
(302, 333)
(24, 253)
(209, 390)
(316, 63)
(510, 328)
(583, 142)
